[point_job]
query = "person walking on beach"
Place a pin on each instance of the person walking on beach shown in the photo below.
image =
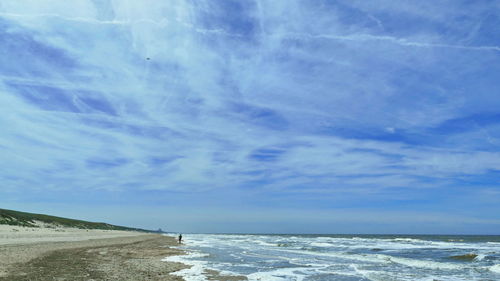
(180, 238)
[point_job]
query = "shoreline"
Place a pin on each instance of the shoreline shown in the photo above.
(195, 269)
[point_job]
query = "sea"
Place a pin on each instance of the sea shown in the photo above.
(342, 257)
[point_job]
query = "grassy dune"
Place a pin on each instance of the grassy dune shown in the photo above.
(11, 217)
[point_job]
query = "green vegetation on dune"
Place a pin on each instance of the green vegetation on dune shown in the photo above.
(28, 219)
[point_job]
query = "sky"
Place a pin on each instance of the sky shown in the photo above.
(253, 116)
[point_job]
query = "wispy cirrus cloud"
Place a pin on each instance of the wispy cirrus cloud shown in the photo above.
(254, 98)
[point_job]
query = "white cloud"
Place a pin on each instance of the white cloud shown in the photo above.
(163, 96)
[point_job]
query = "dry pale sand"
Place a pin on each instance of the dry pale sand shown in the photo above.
(48, 233)
(64, 254)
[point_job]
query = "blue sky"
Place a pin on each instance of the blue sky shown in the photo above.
(254, 116)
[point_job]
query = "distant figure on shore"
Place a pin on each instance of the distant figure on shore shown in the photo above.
(180, 238)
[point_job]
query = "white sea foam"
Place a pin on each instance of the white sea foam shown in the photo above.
(480, 257)
(282, 274)
(413, 240)
(495, 268)
(447, 278)
(321, 244)
(195, 272)
(376, 275)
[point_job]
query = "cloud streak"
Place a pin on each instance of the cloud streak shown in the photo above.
(261, 99)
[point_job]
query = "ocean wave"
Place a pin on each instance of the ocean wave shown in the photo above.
(355, 257)
(380, 258)
(264, 243)
(421, 263)
(389, 258)
(413, 240)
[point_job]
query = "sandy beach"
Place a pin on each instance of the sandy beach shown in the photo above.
(74, 254)
(49, 253)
